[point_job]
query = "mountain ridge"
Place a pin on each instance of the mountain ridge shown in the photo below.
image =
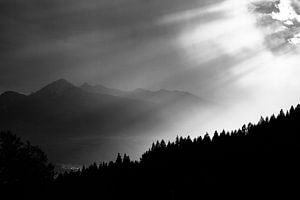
(161, 96)
(60, 112)
(59, 86)
(54, 89)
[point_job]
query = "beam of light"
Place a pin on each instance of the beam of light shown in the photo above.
(263, 81)
(230, 34)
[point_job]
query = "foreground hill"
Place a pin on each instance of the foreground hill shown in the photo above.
(254, 160)
(68, 120)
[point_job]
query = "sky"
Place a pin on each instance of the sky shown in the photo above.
(243, 55)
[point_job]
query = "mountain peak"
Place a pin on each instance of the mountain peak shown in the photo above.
(55, 88)
(86, 85)
(61, 82)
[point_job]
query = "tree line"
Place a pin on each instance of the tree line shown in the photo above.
(262, 157)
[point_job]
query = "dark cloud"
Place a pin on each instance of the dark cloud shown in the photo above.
(280, 22)
(266, 6)
(296, 6)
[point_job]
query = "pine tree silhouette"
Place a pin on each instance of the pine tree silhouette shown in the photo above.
(256, 158)
(23, 167)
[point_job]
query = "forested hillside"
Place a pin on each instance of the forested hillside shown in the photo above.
(261, 157)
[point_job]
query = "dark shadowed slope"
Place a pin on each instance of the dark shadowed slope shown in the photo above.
(76, 125)
(59, 115)
(10, 98)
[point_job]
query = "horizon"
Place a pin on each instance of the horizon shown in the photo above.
(93, 85)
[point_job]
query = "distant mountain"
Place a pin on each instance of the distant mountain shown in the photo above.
(160, 96)
(68, 120)
(164, 96)
(54, 89)
(103, 90)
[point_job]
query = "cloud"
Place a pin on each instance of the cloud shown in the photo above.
(280, 22)
(266, 7)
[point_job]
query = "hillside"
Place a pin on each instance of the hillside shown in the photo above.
(254, 160)
(258, 160)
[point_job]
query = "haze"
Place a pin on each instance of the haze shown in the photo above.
(242, 56)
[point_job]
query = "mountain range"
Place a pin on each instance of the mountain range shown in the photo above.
(91, 122)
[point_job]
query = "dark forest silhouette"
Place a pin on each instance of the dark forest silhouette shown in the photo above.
(262, 157)
(24, 168)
